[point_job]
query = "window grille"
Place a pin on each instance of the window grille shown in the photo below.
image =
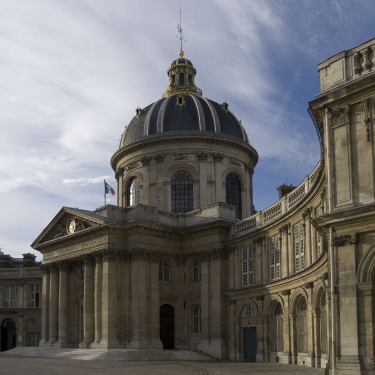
(233, 193)
(247, 266)
(34, 296)
(299, 250)
(197, 319)
(197, 270)
(182, 192)
(133, 192)
(9, 296)
(274, 256)
(164, 270)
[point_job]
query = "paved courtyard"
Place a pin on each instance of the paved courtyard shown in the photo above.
(11, 365)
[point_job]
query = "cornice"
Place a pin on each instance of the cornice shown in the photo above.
(178, 138)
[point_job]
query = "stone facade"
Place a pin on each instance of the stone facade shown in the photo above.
(20, 301)
(292, 283)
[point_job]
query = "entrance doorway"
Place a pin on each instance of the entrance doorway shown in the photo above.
(167, 326)
(8, 335)
(250, 338)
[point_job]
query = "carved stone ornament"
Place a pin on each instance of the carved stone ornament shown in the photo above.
(259, 298)
(63, 265)
(88, 260)
(60, 231)
(45, 269)
(180, 101)
(125, 256)
(286, 292)
(306, 214)
(180, 157)
(138, 112)
(346, 239)
(218, 253)
(202, 156)
(81, 224)
(79, 270)
(218, 156)
(340, 116)
(224, 107)
(325, 276)
(181, 260)
(131, 166)
(367, 119)
(234, 161)
(98, 256)
(357, 66)
(248, 167)
(323, 194)
(159, 158)
(119, 173)
(110, 255)
(139, 254)
(366, 61)
(309, 285)
(145, 160)
(53, 268)
(155, 256)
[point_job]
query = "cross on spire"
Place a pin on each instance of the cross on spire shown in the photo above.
(182, 35)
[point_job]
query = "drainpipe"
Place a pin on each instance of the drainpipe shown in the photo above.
(332, 267)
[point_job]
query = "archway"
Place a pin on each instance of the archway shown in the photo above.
(167, 326)
(8, 335)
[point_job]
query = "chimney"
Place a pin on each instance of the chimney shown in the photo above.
(28, 260)
(283, 189)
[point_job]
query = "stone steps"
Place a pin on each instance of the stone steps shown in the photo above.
(111, 354)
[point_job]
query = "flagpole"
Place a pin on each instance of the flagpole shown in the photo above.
(104, 195)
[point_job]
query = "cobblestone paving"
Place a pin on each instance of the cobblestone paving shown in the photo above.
(11, 365)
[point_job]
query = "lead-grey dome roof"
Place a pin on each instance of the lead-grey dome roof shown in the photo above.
(183, 114)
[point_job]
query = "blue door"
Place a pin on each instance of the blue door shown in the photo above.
(250, 335)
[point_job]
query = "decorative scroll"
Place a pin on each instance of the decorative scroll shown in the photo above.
(346, 239)
(202, 156)
(159, 158)
(131, 166)
(286, 292)
(146, 160)
(340, 116)
(234, 161)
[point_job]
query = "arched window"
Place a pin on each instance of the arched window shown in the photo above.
(302, 325)
(196, 321)
(182, 79)
(323, 323)
(196, 274)
(164, 270)
(133, 192)
(182, 192)
(250, 311)
(277, 329)
(233, 193)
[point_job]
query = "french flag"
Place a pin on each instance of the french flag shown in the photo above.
(108, 189)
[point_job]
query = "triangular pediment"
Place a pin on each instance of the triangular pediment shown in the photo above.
(67, 223)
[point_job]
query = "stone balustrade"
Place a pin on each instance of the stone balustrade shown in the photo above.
(284, 205)
(20, 273)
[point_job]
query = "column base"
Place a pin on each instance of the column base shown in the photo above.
(350, 364)
(62, 344)
(85, 344)
(50, 343)
(43, 343)
(106, 344)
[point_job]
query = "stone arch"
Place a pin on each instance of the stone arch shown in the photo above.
(125, 183)
(295, 297)
(184, 167)
(319, 286)
(242, 305)
(366, 266)
(270, 303)
(236, 171)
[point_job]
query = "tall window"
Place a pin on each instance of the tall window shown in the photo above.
(323, 323)
(133, 192)
(196, 319)
(277, 329)
(299, 249)
(233, 193)
(302, 325)
(274, 258)
(9, 296)
(164, 270)
(182, 192)
(247, 266)
(34, 296)
(319, 239)
(196, 270)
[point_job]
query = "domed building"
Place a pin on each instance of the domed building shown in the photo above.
(184, 262)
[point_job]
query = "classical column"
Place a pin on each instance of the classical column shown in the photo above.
(348, 319)
(88, 301)
(139, 299)
(283, 233)
(218, 323)
(266, 339)
(109, 300)
(155, 302)
(317, 348)
(260, 331)
(293, 336)
(310, 360)
(287, 329)
(98, 297)
(53, 304)
(232, 355)
(63, 341)
(45, 306)
(204, 344)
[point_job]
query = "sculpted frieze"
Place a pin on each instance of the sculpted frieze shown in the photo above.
(180, 157)
(346, 239)
(202, 156)
(341, 116)
(234, 161)
(131, 166)
(146, 160)
(81, 246)
(159, 158)
(218, 156)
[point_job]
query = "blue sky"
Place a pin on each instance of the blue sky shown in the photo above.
(73, 73)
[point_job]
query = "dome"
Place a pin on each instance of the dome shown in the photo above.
(182, 109)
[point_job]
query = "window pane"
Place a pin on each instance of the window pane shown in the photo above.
(233, 193)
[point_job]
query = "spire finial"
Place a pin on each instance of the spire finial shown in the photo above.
(181, 37)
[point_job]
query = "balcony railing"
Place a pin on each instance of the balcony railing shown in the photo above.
(20, 273)
(183, 89)
(285, 204)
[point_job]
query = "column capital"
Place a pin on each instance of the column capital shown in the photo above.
(110, 255)
(53, 268)
(45, 269)
(345, 239)
(88, 260)
(63, 265)
(181, 260)
(98, 256)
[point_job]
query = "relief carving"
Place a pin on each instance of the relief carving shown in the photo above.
(202, 156)
(145, 160)
(131, 166)
(218, 156)
(159, 158)
(234, 161)
(340, 116)
(367, 119)
(181, 260)
(346, 239)
(180, 157)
